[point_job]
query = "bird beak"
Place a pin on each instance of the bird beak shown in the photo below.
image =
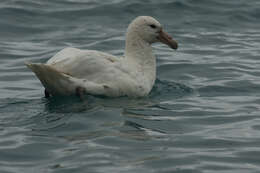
(167, 39)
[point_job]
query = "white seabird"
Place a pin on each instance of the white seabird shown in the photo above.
(74, 71)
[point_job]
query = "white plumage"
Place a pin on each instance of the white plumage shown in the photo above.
(99, 73)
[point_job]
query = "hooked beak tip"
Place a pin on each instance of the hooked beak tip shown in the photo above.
(167, 39)
(175, 46)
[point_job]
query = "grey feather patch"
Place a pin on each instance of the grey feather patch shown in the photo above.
(106, 87)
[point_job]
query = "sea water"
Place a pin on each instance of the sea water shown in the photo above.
(202, 116)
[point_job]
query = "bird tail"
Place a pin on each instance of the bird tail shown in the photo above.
(55, 82)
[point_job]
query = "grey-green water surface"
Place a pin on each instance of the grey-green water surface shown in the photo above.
(201, 117)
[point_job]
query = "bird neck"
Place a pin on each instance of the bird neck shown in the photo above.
(138, 50)
(139, 54)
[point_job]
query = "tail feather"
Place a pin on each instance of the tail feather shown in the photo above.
(55, 82)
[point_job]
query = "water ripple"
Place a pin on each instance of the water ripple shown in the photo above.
(201, 116)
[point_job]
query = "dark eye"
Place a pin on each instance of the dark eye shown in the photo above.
(153, 26)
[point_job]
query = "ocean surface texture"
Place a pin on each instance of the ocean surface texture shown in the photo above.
(202, 116)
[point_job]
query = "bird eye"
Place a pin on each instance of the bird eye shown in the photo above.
(153, 26)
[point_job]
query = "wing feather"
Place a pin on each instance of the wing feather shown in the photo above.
(85, 64)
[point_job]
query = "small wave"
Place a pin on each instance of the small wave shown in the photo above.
(164, 90)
